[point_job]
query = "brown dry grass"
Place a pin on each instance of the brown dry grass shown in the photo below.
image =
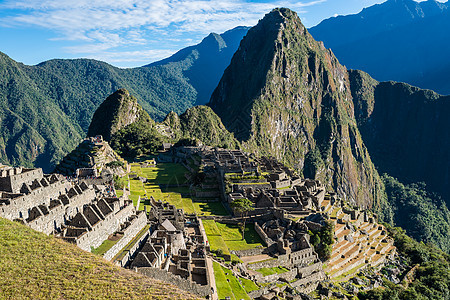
(36, 266)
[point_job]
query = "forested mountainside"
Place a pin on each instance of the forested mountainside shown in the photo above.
(406, 132)
(405, 129)
(46, 109)
(285, 95)
(119, 110)
(399, 40)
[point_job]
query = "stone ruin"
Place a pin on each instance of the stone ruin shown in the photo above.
(78, 213)
(175, 250)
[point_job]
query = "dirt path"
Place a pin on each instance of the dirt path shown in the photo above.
(254, 258)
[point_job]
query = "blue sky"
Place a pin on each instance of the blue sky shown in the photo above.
(130, 33)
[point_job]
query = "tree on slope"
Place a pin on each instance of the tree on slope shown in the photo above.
(242, 206)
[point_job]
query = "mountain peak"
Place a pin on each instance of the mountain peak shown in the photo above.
(285, 95)
(116, 112)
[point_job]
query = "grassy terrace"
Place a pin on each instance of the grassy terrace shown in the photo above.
(228, 285)
(271, 271)
(167, 182)
(226, 237)
(37, 266)
(104, 247)
(127, 248)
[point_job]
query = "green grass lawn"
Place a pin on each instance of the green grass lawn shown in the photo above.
(233, 237)
(210, 227)
(215, 239)
(223, 288)
(230, 286)
(104, 247)
(248, 285)
(216, 242)
(271, 271)
(210, 208)
(238, 291)
(227, 237)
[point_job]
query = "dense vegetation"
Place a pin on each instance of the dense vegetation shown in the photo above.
(406, 132)
(201, 123)
(116, 112)
(137, 139)
(429, 280)
(322, 240)
(37, 266)
(422, 214)
(197, 125)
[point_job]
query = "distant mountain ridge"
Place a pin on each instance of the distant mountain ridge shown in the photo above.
(206, 61)
(399, 40)
(46, 109)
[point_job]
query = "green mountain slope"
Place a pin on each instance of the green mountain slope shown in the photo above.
(204, 63)
(131, 131)
(406, 130)
(199, 123)
(116, 112)
(285, 95)
(36, 266)
(46, 109)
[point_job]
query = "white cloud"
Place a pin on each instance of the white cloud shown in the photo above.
(103, 25)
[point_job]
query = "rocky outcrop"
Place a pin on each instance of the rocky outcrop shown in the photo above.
(287, 96)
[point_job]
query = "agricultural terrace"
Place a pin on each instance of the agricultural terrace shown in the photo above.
(169, 182)
(230, 286)
(223, 238)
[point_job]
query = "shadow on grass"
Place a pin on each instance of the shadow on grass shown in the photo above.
(250, 236)
(214, 208)
(171, 174)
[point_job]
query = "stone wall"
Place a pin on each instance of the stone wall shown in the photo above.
(270, 263)
(307, 271)
(207, 194)
(17, 177)
(181, 283)
(122, 215)
(99, 233)
(306, 282)
(128, 234)
(47, 223)
(289, 275)
(279, 184)
(19, 206)
(265, 186)
(126, 258)
(268, 241)
(248, 252)
(286, 276)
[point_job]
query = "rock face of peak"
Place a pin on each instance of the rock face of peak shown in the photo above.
(287, 96)
(119, 110)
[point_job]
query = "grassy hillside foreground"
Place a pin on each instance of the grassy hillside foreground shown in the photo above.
(35, 266)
